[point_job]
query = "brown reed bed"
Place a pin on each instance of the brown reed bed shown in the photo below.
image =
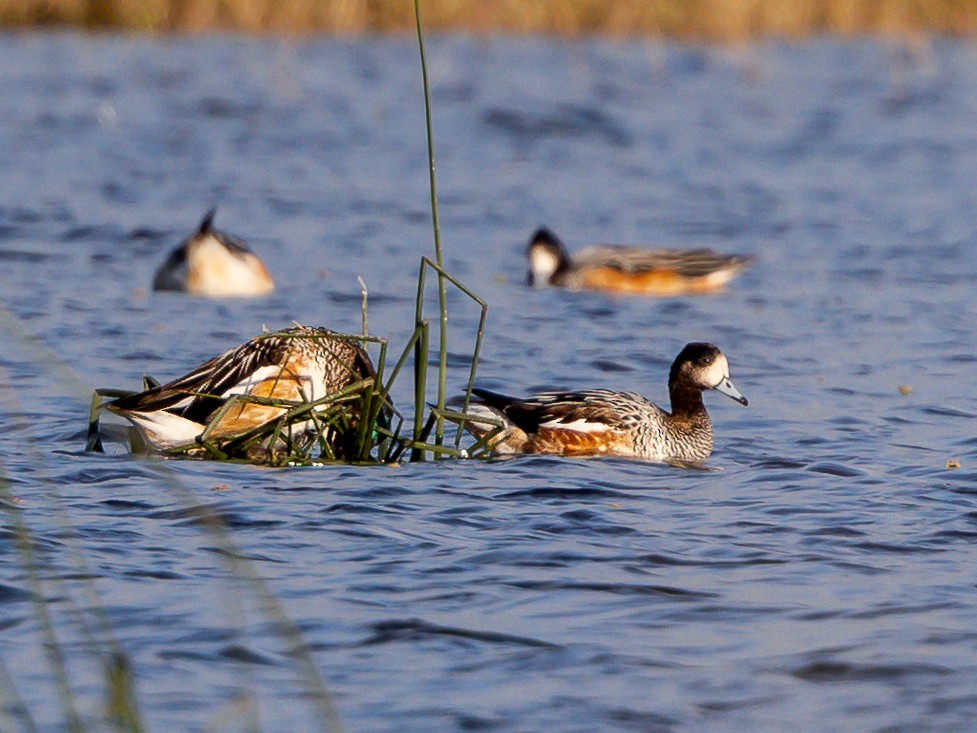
(727, 20)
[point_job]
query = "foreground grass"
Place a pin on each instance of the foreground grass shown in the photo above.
(706, 19)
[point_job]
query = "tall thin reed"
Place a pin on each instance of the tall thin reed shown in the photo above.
(420, 379)
(122, 705)
(99, 635)
(444, 276)
(11, 702)
(52, 647)
(242, 568)
(439, 257)
(121, 701)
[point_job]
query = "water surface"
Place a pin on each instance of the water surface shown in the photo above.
(821, 578)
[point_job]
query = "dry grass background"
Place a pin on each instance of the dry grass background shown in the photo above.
(728, 20)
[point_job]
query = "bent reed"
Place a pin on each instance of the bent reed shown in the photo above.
(724, 20)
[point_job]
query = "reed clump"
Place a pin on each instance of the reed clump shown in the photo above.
(354, 423)
(727, 20)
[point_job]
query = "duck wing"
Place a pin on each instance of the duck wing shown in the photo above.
(690, 263)
(197, 394)
(585, 411)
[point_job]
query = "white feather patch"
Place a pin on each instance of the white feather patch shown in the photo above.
(716, 372)
(479, 410)
(543, 263)
(578, 426)
(164, 430)
(270, 371)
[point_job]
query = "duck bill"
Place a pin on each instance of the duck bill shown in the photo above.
(728, 389)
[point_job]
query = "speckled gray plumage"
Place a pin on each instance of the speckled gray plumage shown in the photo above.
(605, 422)
(298, 364)
(648, 431)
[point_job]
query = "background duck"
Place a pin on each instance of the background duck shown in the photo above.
(603, 422)
(632, 270)
(298, 364)
(214, 264)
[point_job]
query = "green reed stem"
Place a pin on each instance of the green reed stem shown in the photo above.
(122, 706)
(11, 702)
(411, 343)
(442, 293)
(430, 134)
(420, 380)
(443, 276)
(293, 411)
(99, 634)
(54, 652)
(461, 418)
(374, 405)
(441, 451)
(475, 354)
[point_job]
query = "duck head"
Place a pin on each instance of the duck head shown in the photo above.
(704, 366)
(547, 258)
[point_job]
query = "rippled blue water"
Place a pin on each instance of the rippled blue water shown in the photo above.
(822, 579)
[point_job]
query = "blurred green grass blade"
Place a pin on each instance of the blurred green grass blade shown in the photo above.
(122, 708)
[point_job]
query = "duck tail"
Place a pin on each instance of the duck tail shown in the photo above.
(483, 414)
(207, 225)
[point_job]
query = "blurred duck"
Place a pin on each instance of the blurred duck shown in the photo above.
(299, 364)
(213, 264)
(631, 270)
(602, 422)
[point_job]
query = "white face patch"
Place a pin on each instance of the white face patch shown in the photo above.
(716, 372)
(543, 263)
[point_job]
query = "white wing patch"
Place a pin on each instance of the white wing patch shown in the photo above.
(270, 371)
(578, 426)
(164, 430)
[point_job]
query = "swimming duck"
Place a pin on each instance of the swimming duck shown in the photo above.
(631, 270)
(213, 264)
(298, 364)
(603, 422)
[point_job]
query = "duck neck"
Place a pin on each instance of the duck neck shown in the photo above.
(563, 268)
(687, 404)
(689, 423)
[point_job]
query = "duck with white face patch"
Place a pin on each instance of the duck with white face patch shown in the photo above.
(604, 422)
(629, 270)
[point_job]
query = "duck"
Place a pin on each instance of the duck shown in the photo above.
(296, 364)
(602, 422)
(213, 264)
(630, 270)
